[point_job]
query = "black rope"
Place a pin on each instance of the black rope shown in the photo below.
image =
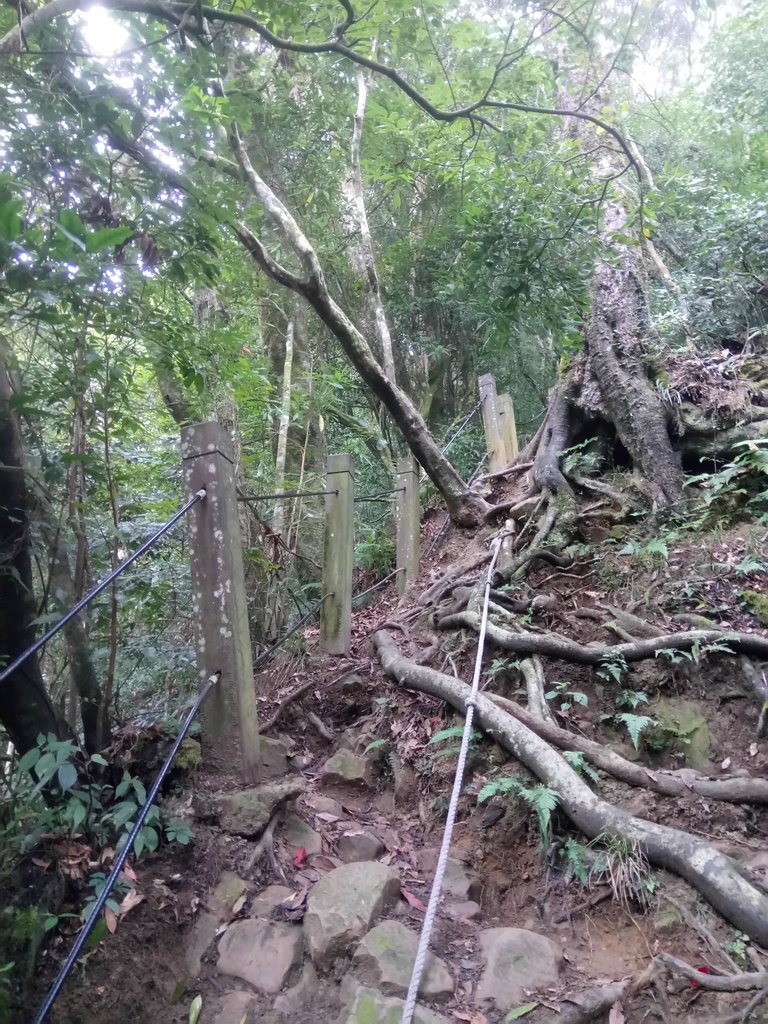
(288, 494)
(262, 658)
(95, 591)
(462, 426)
(117, 867)
(376, 586)
(381, 496)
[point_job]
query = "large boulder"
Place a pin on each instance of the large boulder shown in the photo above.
(247, 812)
(385, 958)
(263, 953)
(516, 961)
(343, 905)
(347, 769)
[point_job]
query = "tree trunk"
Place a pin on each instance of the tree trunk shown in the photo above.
(25, 707)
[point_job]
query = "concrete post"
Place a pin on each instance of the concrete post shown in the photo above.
(339, 555)
(494, 443)
(506, 410)
(408, 518)
(229, 717)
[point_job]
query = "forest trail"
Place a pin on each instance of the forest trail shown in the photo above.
(318, 917)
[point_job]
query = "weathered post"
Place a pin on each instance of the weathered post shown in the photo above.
(229, 717)
(506, 410)
(339, 555)
(494, 443)
(408, 519)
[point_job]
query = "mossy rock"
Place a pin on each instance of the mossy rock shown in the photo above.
(681, 728)
(757, 603)
(189, 756)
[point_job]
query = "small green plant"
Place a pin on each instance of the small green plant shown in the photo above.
(613, 668)
(574, 854)
(455, 732)
(375, 552)
(567, 697)
(541, 798)
(655, 550)
(737, 948)
(622, 864)
(580, 765)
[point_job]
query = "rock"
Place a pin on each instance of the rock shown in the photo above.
(263, 953)
(198, 940)
(295, 1000)
(385, 957)
(228, 891)
(668, 919)
(325, 805)
(342, 905)
(247, 812)
(682, 728)
(515, 961)
(460, 883)
(346, 769)
(298, 833)
(357, 846)
(231, 1008)
(273, 758)
(300, 762)
(466, 911)
(367, 1006)
(266, 901)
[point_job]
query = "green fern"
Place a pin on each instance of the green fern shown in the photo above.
(454, 733)
(541, 798)
(575, 855)
(375, 745)
(580, 765)
(635, 724)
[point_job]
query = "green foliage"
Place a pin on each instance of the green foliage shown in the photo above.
(620, 863)
(455, 732)
(635, 724)
(580, 765)
(543, 799)
(567, 697)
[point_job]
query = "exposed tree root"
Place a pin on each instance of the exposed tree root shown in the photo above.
(554, 645)
(296, 694)
(685, 782)
(715, 982)
(594, 1002)
(714, 875)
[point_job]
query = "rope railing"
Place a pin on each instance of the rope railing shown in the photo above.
(100, 587)
(462, 426)
(442, 861)
(253, 498)
(381, 496)
(122, 856)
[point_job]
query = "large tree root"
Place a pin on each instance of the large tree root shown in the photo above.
(684, 783)
(554, 645)
(715, 876)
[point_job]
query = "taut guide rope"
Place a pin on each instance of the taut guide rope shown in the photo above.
(437, 885)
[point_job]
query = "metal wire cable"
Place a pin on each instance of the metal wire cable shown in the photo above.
(266, 655)
(287, 494)
(434, 896)
(376, 586)
(464, 423)
(95, 591)
(380, 496)
(117, 867)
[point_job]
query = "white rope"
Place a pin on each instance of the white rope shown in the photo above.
(442, 860)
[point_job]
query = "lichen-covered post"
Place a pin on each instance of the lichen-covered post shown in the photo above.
(494, 443)
(506, 411)
(229, 718)
(408, 517)
(339, 555)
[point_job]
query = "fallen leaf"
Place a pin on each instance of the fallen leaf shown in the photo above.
(726, 764)
(651, 775)
(110, 917)
(129, 872)
(44, 864)
(521, 1011)
(194, 1010)
(299, 857)
(238, 905)
(752, 749)
(327, 817)
(616, 1016)
(413, 900)
(130, 900)
(472, 1018)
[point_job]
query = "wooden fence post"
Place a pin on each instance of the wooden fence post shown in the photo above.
(408, 518)
(229, 717)
(494, 443)
(339, 555)
(506, 410)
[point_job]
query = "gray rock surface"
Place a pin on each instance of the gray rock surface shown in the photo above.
(467, 910)
(346, 769)
(342, 906)
(358, 845)
(367, 1006)
(265, 902)
(263, 953)
(247, 812)
(230, 1008)
(385, 957)
(273, 758)
(296, 1000)
(515, 961)
(299, 834)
